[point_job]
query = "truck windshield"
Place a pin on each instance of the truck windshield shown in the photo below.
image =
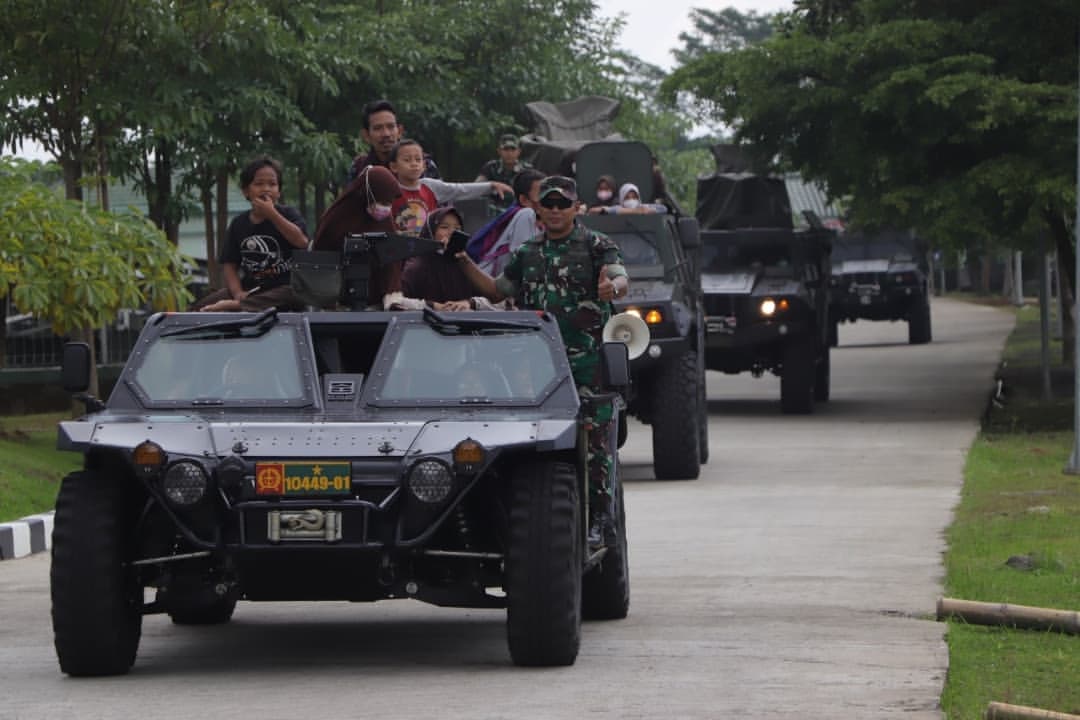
(484, 367)
(219, 369)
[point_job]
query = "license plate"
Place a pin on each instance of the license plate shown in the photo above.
(303, 479)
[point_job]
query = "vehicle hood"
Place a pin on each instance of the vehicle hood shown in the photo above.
(195, 437)
(732, 283)
(861, 266)
(649, 291)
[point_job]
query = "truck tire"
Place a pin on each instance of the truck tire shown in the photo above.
(217, 612)
(919, 324)
(605, 593)
(676, 419)
(544, 562)
(822, 380)
(703, 424)
(797, 376)
(96, 600)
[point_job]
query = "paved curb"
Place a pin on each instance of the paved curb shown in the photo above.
(31, 534)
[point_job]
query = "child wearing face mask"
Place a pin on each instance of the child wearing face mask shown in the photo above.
(364, 207)
(630, 204)
(605, 193)
(420, 195)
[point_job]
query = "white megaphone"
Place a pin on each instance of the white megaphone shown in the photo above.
(629, 329)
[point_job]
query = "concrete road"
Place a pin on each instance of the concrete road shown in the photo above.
(795, 579)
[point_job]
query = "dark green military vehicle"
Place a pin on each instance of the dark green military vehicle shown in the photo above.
(661, 251)
(880, 276)
(765, 284)
(345, 455)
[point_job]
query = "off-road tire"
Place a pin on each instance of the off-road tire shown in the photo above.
(606, 588)
(676, 418)
(544, 562)
(822, 379)
(797, 376)
(96, 603)
(218, 612)
(919, 324)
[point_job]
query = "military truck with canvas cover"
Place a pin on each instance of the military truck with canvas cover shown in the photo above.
(765, 284)
(880, 276)
(660, 251)
(333, 456)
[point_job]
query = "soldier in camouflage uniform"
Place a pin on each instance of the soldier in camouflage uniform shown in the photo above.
(574, 273)
(505, 167)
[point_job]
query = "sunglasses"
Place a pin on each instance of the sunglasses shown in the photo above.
(557, 202)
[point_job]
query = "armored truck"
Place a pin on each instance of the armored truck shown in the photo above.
(765, 285)
(661, 252)
(880, 276)
(344, 455)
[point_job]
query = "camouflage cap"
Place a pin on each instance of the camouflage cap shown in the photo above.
(559, 184)
(509, 141)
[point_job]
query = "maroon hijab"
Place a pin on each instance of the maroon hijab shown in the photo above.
(349, 214)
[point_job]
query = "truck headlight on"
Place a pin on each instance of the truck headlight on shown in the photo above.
(429, 481)
(184, 483)
(769, 307)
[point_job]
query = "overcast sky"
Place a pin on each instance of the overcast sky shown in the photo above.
(652, 28)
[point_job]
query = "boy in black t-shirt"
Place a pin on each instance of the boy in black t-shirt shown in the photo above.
(260, 242)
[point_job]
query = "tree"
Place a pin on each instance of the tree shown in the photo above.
(75, 266)
(947, 117)
(941, 116)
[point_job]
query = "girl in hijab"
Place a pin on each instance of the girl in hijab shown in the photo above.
(364, 207)
(438, 279)
(630, 204)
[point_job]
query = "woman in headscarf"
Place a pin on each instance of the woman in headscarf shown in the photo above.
(364, 207)
(438, 279)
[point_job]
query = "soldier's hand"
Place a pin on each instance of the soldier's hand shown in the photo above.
(605, 288)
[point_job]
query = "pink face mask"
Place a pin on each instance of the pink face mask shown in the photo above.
(603, 195)
(379, 212)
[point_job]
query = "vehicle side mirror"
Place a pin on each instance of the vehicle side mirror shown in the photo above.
(75, 367)
(689, 232)
(615, 364)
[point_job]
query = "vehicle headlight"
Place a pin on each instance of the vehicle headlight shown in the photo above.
(184, 483)
(654, 317)
(430, 481)
(770, 307)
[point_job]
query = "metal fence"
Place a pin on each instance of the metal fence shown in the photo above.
(31, 343)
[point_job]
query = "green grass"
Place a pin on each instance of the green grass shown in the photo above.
(30, 465)
(1017, 503)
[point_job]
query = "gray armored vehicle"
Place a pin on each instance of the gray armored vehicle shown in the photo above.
(880, 276)
(661, 254)
(333, 456)
(766, 287)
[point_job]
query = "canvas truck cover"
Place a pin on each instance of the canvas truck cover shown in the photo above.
(560, 129)
(742, 200)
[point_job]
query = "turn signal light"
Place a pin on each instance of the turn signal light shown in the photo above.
(468, 455)
(148, 458)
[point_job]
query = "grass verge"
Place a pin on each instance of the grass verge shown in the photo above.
(30, 465)
(1015, 539)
